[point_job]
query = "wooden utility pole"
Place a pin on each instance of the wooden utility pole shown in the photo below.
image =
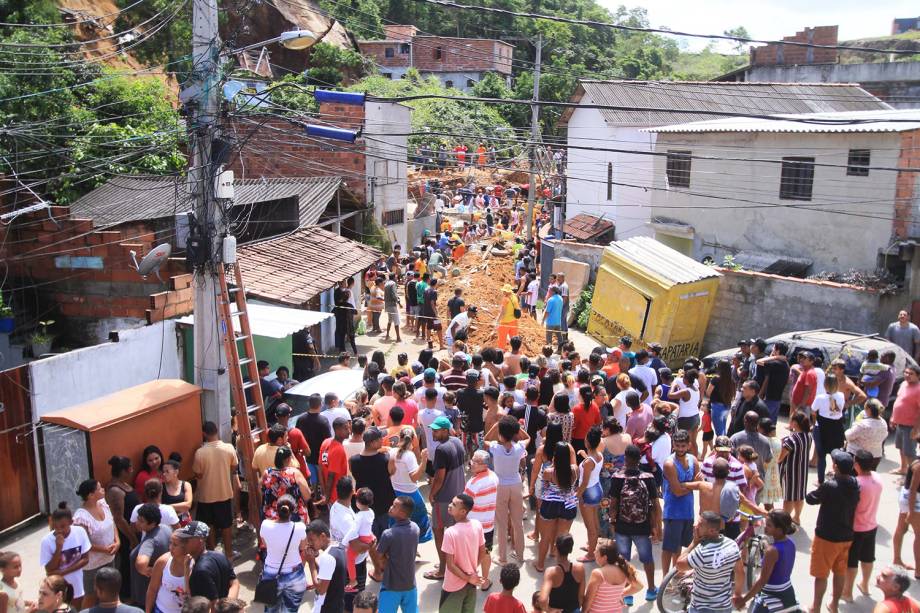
(534, 134)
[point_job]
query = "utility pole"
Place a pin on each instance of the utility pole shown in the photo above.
(204, 107)
(534, 133)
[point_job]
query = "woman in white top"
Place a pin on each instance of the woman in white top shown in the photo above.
(829, 433)
(285, 543)
(589, 488)
(96, 518)
(405, 471)
(153, 493)
(618, 404)
(11, 600)
(168, 587)
(687, 394)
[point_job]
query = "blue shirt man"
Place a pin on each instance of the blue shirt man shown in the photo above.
(552, 310)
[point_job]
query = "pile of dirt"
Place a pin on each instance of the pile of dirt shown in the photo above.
(484, 269)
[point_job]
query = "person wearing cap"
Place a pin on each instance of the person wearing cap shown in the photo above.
(837, 498)
(552, 317)
(448, 481)
(212, 575)
(371, 469)
(430, 381)
(508, 315)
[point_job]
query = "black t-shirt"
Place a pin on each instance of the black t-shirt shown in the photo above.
(838, 497)
(411, 297)
(315, 429)
(546, 391)
(778, 373)
(616, 486)
(535, 423)
(471, 405)
(211, 576)
(431, 299)
(371, 471)
(634, 382)
(454, 305)
(449, 456)
(335, 593)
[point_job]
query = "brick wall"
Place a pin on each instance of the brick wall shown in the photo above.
(907, 190)
(376, 50)
(771, 55)
(444, 54)
(399, 32)
(278, 148)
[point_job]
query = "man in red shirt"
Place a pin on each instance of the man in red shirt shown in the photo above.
(295, 438)
(333, 463)
(905, 416)
(806, 386)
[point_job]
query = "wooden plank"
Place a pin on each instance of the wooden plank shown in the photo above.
(18, 480)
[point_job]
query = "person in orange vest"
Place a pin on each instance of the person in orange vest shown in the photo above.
(481, 155)
(508, 316)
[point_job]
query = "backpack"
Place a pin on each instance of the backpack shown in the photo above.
(634, 499)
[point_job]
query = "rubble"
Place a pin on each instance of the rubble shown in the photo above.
(884, 283)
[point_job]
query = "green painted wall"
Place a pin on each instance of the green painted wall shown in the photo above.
(276, 350)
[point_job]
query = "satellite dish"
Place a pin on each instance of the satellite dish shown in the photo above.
(153, 261)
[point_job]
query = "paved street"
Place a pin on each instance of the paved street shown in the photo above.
(27, 540)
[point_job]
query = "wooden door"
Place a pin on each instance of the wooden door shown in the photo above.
(18, 481)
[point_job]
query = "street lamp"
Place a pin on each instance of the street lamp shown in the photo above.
(295, 40)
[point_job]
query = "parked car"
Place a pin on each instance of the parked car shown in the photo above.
(831, 344)
(345, 383)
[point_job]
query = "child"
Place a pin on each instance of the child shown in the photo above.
(402, 366)
(355, 444)
(11, 567)
(506, 602)
(772, 488)
(748, 457)
(870, 370)
(535, 606)
(451, 412)
(361, 532)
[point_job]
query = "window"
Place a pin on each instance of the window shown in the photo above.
(470, 83)
(404, 49)
(437, 53)
(858, 163)
(394, 217)
(797, 178)
(387, 75)
(609, 180)
(388, 52)
(678, 168)
(448, 84)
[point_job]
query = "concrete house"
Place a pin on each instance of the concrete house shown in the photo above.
(609, 163)
(814, 192)
(456, 62)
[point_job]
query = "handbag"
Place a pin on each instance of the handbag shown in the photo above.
(267, 589)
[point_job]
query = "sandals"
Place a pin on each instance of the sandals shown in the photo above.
(433, 576)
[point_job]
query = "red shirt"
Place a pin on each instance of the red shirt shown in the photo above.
(410, 412)
(906, 411)
(808, 377)
(584, 419)
(298, 445)
(332, 460)
(499, 603)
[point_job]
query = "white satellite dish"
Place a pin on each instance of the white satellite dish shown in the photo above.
(153, 261)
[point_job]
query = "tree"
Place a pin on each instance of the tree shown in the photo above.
(739, 32)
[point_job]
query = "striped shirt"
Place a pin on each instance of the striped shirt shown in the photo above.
(714, 563)
(483, 487)
(735, 471)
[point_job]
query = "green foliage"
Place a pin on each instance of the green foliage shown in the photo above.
(582, 309)
(331, 65)
(729, 263)
(739, 32)
(375, 235)
(170, 42)
(295, 98)
(706, 65)
(361, 17)
(29, 11)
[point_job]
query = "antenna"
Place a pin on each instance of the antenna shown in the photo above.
(153, 261)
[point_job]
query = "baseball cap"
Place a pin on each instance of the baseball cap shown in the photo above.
(656, 347)
(430, 374)
(441, 423)
(193, 530)
(283, 409)
(723, 443)
(744, 342)
(843, 460)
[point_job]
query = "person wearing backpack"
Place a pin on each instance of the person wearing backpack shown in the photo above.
(637, 512)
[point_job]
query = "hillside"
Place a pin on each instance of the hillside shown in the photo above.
(909, 41)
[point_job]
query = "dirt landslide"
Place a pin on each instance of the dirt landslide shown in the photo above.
(482, 275)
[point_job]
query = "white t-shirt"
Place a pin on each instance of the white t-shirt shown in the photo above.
(822, 405)
(819, 379)
(507, 462)
(646, 374)
(325, 568)
(419, 397)
(690, 407)
(405, 465)
(352, 448)
(168, 516)
(332, 414)
(341, 522)
(75, 546)
(276, 535)
(364, 521)
(661, 449)
(534, 289)
(462, 321)
(621, 410)
(426, 417)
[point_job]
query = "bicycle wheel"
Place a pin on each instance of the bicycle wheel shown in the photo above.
(754, 560)
(674, 592)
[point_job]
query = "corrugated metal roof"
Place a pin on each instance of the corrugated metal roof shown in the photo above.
(748, 98)
(661, 260)
(125, 199)
(869, 121)
(293, 268)
(585, 227)
(274, 321)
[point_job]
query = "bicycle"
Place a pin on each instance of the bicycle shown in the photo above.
(677, 586)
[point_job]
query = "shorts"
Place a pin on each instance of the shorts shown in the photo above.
(709, 435)
(591, 497)
(414, 310)
(828, 557)
(903, 500)
(440, 518)
(862, 549)
(393, 315)
(904, 442)
(217, 514)
(643, 543)
(688, 423)
(313, 479)
(554, 509)
(678, 533)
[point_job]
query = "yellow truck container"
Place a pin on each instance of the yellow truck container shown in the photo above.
(654, 294)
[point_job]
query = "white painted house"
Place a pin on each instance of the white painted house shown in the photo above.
(609, 163)
(386, 126)
(794, 194)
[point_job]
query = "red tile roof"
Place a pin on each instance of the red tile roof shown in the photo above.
(294, 268)
(584, 227)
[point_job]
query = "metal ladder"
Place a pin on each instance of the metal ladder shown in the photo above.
(249, 437)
